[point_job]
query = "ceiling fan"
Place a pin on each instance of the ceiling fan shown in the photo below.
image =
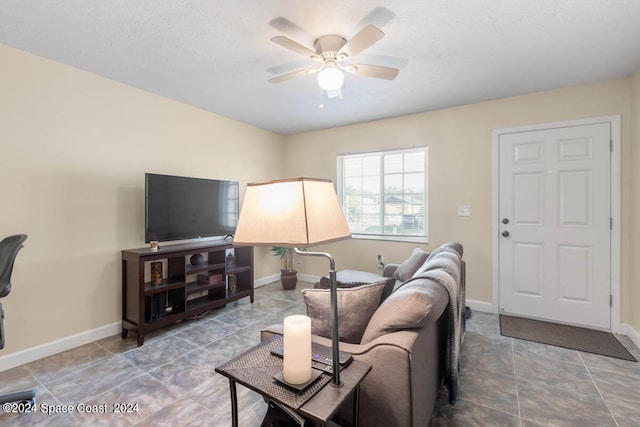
(331, 52)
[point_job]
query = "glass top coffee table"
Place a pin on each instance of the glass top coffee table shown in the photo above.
(320, 401)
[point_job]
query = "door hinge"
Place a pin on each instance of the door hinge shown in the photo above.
(610, 223)
(610, 300)
(611, 145)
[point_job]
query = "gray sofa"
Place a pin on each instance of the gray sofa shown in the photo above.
(412, 339)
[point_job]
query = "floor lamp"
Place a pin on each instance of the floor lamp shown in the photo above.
(297, 213)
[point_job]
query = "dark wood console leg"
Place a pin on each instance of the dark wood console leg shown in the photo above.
(125, 333)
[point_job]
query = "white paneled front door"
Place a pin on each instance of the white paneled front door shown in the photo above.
(555, 224)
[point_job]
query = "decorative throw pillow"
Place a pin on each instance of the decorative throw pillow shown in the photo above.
(355, 308)
(406, 270)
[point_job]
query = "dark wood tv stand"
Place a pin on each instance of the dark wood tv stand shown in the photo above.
(147, 306)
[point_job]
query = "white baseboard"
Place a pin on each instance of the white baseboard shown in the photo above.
(631, 333)
(276, 277)
(308, 278)
(484, 307)
(54, 347)
(266, 280)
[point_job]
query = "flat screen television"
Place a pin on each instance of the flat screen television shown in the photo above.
(183, 208)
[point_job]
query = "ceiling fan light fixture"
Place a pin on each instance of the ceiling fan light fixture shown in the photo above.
(330, 79)
(337, 93)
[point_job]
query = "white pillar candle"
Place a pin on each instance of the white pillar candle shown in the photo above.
(297, 349)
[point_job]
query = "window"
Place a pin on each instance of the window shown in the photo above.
(384, 194)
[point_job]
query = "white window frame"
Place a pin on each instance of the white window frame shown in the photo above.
(389, 236)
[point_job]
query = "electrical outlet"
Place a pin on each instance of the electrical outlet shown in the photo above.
(464, 210)
(299, 263)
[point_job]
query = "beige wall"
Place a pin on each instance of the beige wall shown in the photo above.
(74, 148)
(634, 257)
(460, 161)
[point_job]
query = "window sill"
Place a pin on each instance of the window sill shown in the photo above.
(388, 238)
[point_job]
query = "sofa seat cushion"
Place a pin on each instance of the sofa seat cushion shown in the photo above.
(408, 307)
(356, 305)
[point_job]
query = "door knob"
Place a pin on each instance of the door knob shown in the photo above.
(505, 220)
(505, 233)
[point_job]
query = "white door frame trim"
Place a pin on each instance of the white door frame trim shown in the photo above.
(614, 121)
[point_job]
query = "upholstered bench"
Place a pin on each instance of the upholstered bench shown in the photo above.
(353, 278)
(350, 278)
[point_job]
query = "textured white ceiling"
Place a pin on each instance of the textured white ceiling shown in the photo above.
(216, 55)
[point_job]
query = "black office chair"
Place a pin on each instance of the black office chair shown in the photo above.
(9, 247)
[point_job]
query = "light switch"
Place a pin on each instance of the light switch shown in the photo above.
(464, 210)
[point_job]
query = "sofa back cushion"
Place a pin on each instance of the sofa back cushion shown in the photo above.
(411, 265)
(452, 245)
(443, 258)
(409, 307)
(356, 305)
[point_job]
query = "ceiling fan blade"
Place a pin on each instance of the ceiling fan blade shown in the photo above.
(368, 58)
(361, 41)
(292, 75)
(376, 71)
(294, 46)
(293, 30)
(380, 16)
(298, 64)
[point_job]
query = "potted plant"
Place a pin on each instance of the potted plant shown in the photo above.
(288, 275)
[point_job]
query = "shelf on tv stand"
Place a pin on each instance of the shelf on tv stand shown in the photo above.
(195, 287)
(144, 304)
(167, 285)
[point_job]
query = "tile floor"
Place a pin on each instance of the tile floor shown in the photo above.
(503, 381)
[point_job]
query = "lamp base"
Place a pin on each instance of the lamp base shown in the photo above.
(299, 387)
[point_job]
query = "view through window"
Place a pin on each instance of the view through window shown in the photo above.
(384, 194)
